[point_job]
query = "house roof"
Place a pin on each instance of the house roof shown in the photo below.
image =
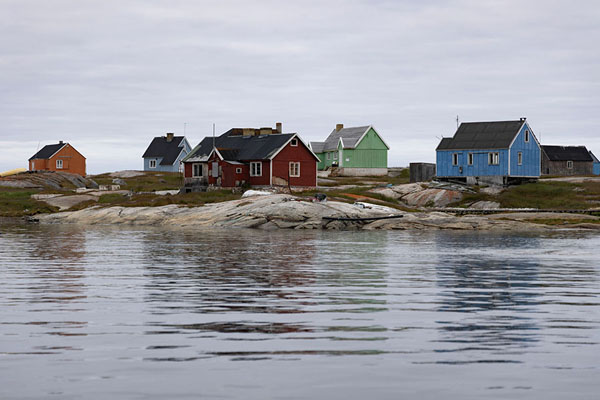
(169, 151)
(48, 151)
(482, 135)
(567, 153)
(349, 136)
(594, 157)
(241, 148)
(317, 147)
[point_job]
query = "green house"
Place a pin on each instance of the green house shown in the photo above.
(357, 151)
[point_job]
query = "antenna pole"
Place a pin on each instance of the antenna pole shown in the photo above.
(213, 135)
(457, 122)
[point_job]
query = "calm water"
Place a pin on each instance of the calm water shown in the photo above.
(109, 313)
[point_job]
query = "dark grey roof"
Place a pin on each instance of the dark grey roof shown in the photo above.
(169, 151)
(350, 137)
(567, 153)
(242, 148)
(47, 151)
(594, 157)
(482, 135)
(317, 147)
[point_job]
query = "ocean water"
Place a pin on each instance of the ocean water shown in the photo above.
(144, 313)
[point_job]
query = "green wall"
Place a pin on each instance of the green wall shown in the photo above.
(371, 152)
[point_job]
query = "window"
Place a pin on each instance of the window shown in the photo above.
(526, 136)
(493, 158)
(520, 158)
(196, 170)
(454, 158)
(295, 169)
(570, 164)
(335, 155)
(256, 168)
(329, 156)
(59, 164)
(238, 170)
(152, 164)
(470, 158)
(294, 142)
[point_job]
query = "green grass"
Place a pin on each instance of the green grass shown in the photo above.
(18, 203)
(148, 182)
(151, 200)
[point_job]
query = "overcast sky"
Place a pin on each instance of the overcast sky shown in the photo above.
(107, 76)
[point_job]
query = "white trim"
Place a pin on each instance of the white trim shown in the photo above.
(292, 142)
(64, 144)
(61, 164)
(261, 168)
(363, 135)
(270, 172)
(201, 170)
(238, 170)
(150, 163)
(454, 155)
(519, 158)
(316, 173)
(530, 134)
(214, 150)
(286, 143)
(290, 169)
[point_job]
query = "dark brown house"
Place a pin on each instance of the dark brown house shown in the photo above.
(566, 161)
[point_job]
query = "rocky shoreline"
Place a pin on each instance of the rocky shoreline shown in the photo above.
(281, 211)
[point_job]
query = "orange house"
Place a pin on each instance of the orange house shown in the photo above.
(58, 157)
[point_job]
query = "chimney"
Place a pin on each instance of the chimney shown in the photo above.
(522, 119)
(170, 136)
(266, 131)
(60, 142)
(247, 132)
(279, 127)
(339, 127)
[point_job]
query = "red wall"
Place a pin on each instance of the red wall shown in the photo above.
(265, 178)
(187, 169)
(308, 165)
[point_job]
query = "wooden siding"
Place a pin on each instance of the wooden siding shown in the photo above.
(371, 152)
(73, 162)
(596, 168)
(308, 166)
(531, 155)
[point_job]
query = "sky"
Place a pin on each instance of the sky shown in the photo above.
(108, 76)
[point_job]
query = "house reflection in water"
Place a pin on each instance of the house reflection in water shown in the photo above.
(489, 292)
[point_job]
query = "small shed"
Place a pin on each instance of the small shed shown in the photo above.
(421, 172)
(566, 161)
(596, 169)
(61, 157)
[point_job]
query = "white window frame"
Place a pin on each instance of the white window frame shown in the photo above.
(520, 158)
(194, 174)
(59, 164)
(455, 159)
(256, 168)
(294, 142)
(294, 169)
(526, 136)
(335, 155)
(329, 156)
(470, 159)
(238, 170)
(152, 163)
(569, 164)
(494, 158)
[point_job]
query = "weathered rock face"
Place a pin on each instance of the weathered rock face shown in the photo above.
(419, 195)
(279, 211)
(485, 205)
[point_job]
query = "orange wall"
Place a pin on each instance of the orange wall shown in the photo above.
(73, 162)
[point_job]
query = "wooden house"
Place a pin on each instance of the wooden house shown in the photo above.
(356, 151)
(251, 156)
(58, 157)
(165, 153)
(566, 161)
(498, 152)
(596, 168)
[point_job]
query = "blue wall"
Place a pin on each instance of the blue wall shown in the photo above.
(167, 168)
(596, 168)
(529, 168)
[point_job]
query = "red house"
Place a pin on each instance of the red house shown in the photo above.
(58, 157)
(257, 157)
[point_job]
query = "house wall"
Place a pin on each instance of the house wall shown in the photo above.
(596, 169)
(560, 167)
(73, 162)
(328, 162)
(371, 152)
(531, 155)
(321, 163)
(308, 166)
(265, 178)
(480, 165)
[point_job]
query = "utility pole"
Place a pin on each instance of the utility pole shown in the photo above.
(457, 122)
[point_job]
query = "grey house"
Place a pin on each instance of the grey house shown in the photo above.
(566, 161)
(165, 153)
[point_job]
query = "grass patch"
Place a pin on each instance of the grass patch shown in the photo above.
(152, 200)
(18, 203)
(148, 182)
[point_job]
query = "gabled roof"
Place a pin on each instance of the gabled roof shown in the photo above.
(350, 137)
(594, 157)
(48, 151)
(169, 151)
(317, 147)
(482, 135)
(241, 148)
(567, 153)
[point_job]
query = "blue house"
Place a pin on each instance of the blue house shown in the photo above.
(498, 152)
(596, 164)
(165, 153)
